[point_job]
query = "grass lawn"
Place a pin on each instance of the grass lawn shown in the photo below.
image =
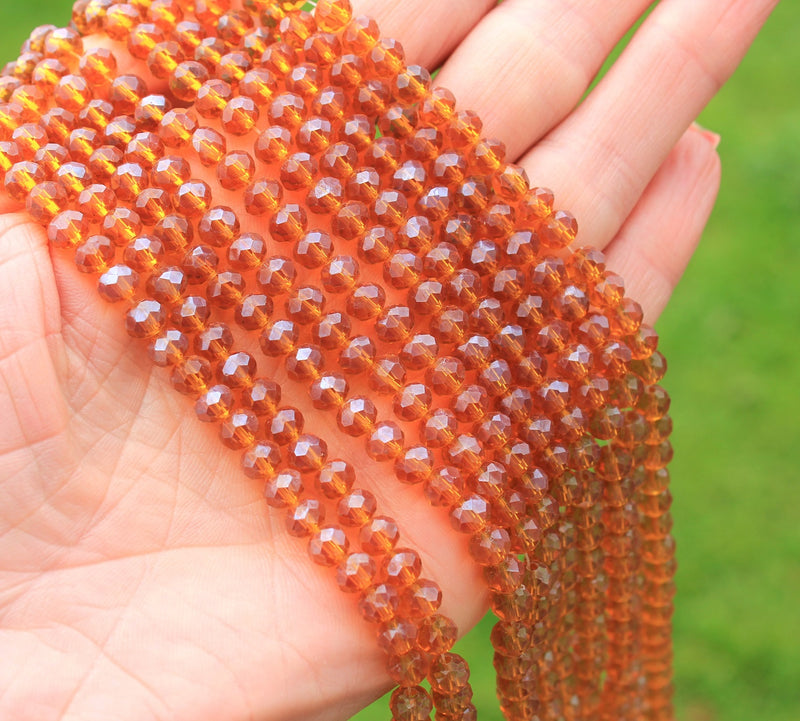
(732, 336)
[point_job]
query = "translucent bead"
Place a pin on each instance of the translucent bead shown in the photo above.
(329, 546)
(94, 255)
(379, 535)
(336, 479)
(305, 518)
(308, 453)
(355, 573)
(286, 426)
(357, 508)
(169, 348)
(118, 283)
(263, 397)
(410, 703)
(284, 489)
(215, 404)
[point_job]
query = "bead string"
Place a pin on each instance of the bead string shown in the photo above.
(544, 431)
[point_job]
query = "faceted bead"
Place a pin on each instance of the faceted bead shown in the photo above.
(412, 402)
(289, 224)
(215, 404)
(357, 508)
(169, 348)
(351, 220)
(45, 201)
(387, 375)
(247, 252)
(366, 301)
(97, 201)
(286, 426)
(258, 84)
(471, 515)
(471, 404)
(357, 416)
(415, 465)
(236, 170)
(118, 283)
(215, 342)
(336, 479)
(262, 397)
(355, 572)
(385, 442)
(408, 669)
(272, 145)
(240, 115)
(340, 274)
(209, 145)
(94, 255)
(379, 603)
(284, 489)
(191, 314)
(226, 290)
(177, 128)
(379, 535)
(421, 599)
(145, 319)
(200, 264)
(465, 452)
(263, 196)
(329, 546)
(410, 703)
(187, 79)
(279, 338)
(394, 324)
(444, 487)
(192, 375)
(308, 453)
(152, 205)
(448, 673)
(305, 363)
(305, 518)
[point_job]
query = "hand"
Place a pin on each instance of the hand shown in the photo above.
(141, 575)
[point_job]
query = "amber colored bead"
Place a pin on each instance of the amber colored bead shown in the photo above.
(152, 205)
(127, 180)
(379, 603)
(335, 479)
(169, 348)
(258, 85)
(305, 518)
(212, 97)
(410, 703)
(67, 229)
(22, 177)
(379, 536)
(289, 223)
(355, 572)
(120, 20)
(215, 404)
(356, 508)
(284, 489)
(262, 397)
(45, 201)
(94, 255)
(385, 442)
(357, 416)
(118, 283)
(421, 599)
(226, 290)
(177, 128)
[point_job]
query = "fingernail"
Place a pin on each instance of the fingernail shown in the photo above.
(710, 136)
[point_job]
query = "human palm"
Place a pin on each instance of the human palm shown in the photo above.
(141, 575)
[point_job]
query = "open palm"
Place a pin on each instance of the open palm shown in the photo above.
(141, 575)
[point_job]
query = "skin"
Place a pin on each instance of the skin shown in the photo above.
(141, 575)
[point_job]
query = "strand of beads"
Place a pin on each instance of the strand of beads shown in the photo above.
(192, 375)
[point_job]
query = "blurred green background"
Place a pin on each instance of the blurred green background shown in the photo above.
(732, 336)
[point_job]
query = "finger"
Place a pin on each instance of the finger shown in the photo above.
(603, 156)
(527, 64)
(655, 244)
(428, 31)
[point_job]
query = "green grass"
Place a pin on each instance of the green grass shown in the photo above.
(731, 336)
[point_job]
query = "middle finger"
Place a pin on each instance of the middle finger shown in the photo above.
(527, 63)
